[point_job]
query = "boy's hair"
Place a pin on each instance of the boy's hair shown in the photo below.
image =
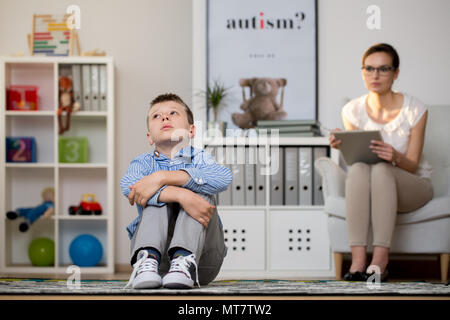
(171, 97)
(383, 47)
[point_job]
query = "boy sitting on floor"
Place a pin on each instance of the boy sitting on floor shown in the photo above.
(173, 188)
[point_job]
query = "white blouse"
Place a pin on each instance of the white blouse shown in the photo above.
(395, 132)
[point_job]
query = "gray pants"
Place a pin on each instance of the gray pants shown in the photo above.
(169, 226)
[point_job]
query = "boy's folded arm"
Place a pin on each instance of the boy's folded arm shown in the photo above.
(138, 169)
(156, 200)
(208, 178)
(169, 194)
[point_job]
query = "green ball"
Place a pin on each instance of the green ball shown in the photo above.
(42, 252)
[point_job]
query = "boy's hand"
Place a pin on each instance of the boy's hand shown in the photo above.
(145, 188)
(197, 207)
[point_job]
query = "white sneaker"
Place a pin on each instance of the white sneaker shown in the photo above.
(145, 273)
(182, 273)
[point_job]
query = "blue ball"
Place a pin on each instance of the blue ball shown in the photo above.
(86, 250)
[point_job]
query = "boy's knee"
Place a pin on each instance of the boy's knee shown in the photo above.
(151, 208)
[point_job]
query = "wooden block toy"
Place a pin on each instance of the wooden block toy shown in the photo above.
(73, 149)
(20, 149)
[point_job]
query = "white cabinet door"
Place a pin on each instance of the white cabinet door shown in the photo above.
(244, 233)
(298, 240)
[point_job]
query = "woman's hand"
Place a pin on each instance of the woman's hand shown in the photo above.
(334, 142)
(384, 151)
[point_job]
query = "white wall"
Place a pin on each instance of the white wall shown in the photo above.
(151, 42)
(418, 29)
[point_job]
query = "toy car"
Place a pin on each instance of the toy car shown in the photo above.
(88, 206)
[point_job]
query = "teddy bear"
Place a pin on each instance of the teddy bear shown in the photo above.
(262, 104)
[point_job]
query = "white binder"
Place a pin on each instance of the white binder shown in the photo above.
(305, 162)
(276, 176)
(291, 176)
(237, 193)
(249, 168)
(224, 198)
(95, 87)
(317, 193)
(260, 176)
(86, 80)
(238, 184)
(103, 86)
(77, 86)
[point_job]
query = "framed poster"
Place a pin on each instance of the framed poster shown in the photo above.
(263, 48)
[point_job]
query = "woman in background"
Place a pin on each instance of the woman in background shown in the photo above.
(376, 193)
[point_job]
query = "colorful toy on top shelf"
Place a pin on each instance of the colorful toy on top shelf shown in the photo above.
(88, 206)
(31, 214)
(22, 98)
(20, 149)
(53, 35)
(66, 101)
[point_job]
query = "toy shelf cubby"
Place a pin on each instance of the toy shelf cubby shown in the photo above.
(274, 241)
(21, 183)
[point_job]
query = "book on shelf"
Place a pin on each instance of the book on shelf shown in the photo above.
(290, 128)
(300, 134)
(285, 123)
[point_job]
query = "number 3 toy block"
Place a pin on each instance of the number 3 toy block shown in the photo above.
(73, 149)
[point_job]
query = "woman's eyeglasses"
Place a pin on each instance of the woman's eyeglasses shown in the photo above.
(383, 70)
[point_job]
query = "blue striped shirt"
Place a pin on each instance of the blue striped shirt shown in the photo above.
(206, 176)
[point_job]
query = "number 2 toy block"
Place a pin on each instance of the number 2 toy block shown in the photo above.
(20, 149)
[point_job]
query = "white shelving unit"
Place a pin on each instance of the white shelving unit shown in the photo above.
(21, 183)
(267, 241)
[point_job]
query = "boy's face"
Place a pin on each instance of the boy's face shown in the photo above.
(168, 122)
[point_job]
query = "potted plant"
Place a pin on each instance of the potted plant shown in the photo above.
(216, 96)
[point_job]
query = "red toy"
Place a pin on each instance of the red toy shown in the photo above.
(22, 98)
(88, 206)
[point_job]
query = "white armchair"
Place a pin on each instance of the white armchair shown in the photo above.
(424, 231)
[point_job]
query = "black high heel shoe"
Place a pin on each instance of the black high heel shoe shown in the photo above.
(355, 276)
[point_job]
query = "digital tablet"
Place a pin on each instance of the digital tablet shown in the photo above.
(355, 146)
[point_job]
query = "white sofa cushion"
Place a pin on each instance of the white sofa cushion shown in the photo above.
(437, 208)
